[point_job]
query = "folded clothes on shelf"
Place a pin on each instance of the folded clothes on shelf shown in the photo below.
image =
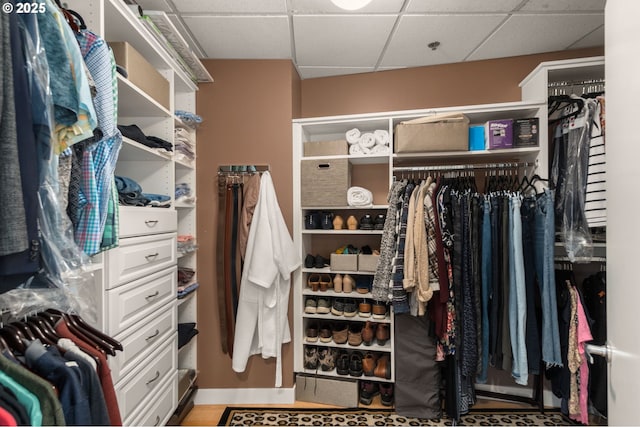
(183, 291)
(189, 118)
(183, 194)
(186, 244)
(135, 133)
(130, 194)
(186, 331)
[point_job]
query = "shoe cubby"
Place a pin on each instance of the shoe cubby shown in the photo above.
(347, 363)
(375, 394)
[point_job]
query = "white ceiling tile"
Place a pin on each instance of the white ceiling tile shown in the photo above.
(408, 46)
(232, 6)
(340, 40)
(436, 6)
(563, 5)
(325, 6)
(315, 72)
(242, 37)
(528, 34)
(596, 38)
(162, 5)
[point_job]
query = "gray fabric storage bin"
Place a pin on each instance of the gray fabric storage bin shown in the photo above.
(325, 148)
(338, 392)
(344, 262)
(368, 262)
(324, 182)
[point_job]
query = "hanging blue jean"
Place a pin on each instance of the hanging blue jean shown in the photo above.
(486, 286)
(527, 214)
(544, 253)
(517, 295)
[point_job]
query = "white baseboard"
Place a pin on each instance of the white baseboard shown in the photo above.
(241, 396)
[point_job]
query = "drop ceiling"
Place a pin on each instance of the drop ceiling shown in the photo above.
(323, 40)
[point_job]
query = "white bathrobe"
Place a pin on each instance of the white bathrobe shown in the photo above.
(262, 325)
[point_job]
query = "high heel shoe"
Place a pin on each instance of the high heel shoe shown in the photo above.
(314, 282)
(337, 283)
(352, 223)
(325, 282)
(338, 222)
(347, 284)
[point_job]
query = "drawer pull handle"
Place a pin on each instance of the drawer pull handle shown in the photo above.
(154, 378)
(151, 222)
(153, 295)
(151, 256)
(157, 420)
(155, 334)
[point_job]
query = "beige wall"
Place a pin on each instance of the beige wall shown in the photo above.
(247, 116)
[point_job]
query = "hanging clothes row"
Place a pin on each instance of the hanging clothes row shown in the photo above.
(480, 267)
(54, 371)
(578, 170)
(59, 110)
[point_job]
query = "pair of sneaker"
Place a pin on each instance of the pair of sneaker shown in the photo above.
(368, 222)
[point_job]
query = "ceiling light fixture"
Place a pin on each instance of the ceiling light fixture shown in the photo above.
(351, 4)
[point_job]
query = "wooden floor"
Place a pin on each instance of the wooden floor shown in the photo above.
(207, 415)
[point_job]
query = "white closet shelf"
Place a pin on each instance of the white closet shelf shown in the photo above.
(329, 271)
(334, 374)
(187, 298)
(506, 154)
(338, 232)
(356, 318)
(373, 347)
(185, 205)
(134, 102)
(124, 25)
(185, 164)
(330, 293)
(134, 151)
(343, 208)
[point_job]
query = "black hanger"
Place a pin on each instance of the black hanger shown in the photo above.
(78, 18)
(83, 334)
(14, 338)
(84, 325)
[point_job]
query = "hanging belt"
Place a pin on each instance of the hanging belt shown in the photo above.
(220, 270)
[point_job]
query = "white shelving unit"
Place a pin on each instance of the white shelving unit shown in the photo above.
(314, 241)
(137, 280)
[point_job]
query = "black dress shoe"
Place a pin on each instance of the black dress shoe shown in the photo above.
(379, 222)
(309, 261)
(320, 262)
(342, 364)
(355, 364)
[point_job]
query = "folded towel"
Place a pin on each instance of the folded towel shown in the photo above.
(380, 149)
(356, 150)
(367, 140)
(382, 137)
(353, 136)
(358, 196)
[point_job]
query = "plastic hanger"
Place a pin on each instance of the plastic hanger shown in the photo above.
(13, 338)
(84, 325)
(83, 334)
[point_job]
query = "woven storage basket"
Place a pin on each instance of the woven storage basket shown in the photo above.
(324, 182)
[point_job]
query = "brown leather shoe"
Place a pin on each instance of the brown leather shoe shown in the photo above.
(383, 367)
(325, 333)
(382, 333)
(369, 363)
(355, 334)
(340, 333)
(368, 333)
(364, 309)
(379, 310)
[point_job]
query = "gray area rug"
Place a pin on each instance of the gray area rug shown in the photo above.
(235, 416)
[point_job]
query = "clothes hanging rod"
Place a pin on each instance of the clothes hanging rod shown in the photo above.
(506, 165)
(242, 169)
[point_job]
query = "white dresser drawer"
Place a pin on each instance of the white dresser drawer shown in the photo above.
(130, 303)
(138, 221)
(146, 380)
(139, 256)
(161, 407)
(140, 341)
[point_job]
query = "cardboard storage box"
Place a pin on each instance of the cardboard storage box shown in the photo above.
(344, 262)
(525, 132)
(440, 132)
(337, 392)
(368, 262)
(499, 134)
(141, 73)
(324, 183)
(325, 148)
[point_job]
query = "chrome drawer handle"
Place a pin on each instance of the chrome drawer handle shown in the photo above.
(154, 378)
(151, 256)
(151, 222)
(150, 337)
(157, 420)
(153, 295)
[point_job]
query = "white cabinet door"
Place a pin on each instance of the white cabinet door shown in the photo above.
(622, 61)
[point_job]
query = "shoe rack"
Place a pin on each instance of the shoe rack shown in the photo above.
(340, 332)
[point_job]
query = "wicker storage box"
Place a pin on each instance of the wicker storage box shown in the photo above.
(446, 132)
(310, 388)
(324, 182)
(325, 148)
(342, 262)
(368, 262)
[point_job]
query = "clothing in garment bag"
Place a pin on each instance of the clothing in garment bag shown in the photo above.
(262, 325)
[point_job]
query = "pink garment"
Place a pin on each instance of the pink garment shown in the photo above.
(584, 335)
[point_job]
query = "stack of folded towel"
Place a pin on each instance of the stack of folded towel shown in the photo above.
(184, 146)
(375, 143)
